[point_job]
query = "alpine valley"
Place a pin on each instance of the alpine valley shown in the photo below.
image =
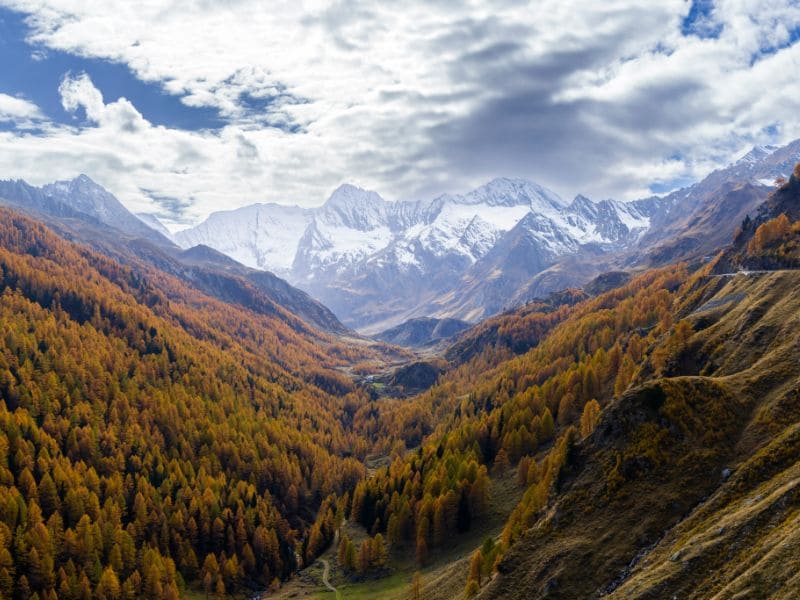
(558, 360)
(176, 421)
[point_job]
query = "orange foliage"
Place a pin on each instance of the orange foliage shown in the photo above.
(151, 435)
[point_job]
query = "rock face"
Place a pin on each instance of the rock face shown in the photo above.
(606, 281)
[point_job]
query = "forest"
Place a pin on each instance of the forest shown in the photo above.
(151, 436)
(155, 440)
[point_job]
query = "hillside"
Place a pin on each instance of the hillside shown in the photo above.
(132, 402)
(685, 487)
(423, 331)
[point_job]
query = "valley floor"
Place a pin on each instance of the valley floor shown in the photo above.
(443, 578)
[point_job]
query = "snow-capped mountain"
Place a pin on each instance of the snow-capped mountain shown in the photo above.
(261, 236)
(372, 261)
(377, 263)
(80, 197)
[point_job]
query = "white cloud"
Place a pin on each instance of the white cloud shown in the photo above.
(79, 92)
(413, 98)
(18, 109)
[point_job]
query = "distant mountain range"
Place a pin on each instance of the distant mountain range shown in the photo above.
(80, 210)
(377, 263)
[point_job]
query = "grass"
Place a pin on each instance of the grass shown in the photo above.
(377, 588)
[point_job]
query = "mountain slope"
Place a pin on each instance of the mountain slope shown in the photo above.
(82, 210)
(152, 435)
(81, 198)
(697, 220)
(421, 332)
(153, 223)
(687, 481)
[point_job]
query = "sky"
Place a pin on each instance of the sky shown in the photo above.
(184, 108)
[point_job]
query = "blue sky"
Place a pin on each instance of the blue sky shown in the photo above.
(182, 109)
(35, 71)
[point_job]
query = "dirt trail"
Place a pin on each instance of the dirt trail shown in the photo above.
(326, 570)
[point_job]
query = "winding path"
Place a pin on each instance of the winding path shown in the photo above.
(326, 570)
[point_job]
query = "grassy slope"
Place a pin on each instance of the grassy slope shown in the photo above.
(644, 509)
(647, 488)
(743, 541)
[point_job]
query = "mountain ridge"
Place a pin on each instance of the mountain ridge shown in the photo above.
(81, 210)
(357, 242)
(378, 263)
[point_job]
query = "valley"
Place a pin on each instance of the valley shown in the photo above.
(572, 434)
(177, 424)
(400, 300)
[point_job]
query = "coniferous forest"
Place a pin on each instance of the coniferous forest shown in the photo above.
(155, 440)
(352, 300)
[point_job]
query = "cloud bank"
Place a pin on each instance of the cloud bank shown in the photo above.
(409, 98)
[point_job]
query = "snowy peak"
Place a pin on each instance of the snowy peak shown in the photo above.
(757, 154)
(79, 198)
(351, 206)
(348, 196)
(583, 206)
(505, 191)
(261, 236)
(358, 249)
(85, 195)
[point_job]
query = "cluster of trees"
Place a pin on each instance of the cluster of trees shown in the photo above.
(371, 555)
(481, 565)
(423, 500)
(151, 436)
(769, 233)
(516, 331)
(775, 244)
